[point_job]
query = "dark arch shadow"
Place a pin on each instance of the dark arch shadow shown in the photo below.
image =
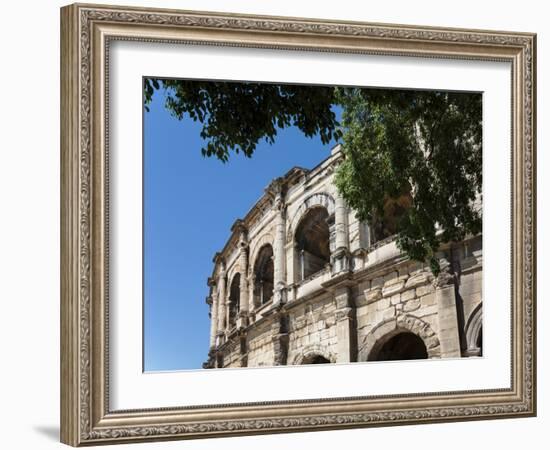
(400, 347)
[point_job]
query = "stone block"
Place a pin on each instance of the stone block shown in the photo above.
(424, 290)
(362, 320)
(388, 314)
(391, 278)
(411, 305)
(382, 304)
(371, 308)
(377, 282)
(408, 295)
(428, 300)
(373, 294)
(418, 280)
(426, 311)
(449, 348)
(393, 288)
(360, 300)
(473, 299)
(363, 286)
(395, 299)
(428, 330)
(468, 287)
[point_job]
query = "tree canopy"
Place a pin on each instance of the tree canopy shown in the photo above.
(412, 159)
(236, 116)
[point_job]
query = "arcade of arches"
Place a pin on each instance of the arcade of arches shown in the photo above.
(302, 281)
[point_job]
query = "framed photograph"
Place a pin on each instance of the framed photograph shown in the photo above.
(276, 224)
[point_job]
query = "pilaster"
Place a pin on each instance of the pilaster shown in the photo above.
(221, 299)
(279, 330)
(446, 312)
(276, 189)
(240, 229)
(346, 326)
(341, 256)
(213, 304)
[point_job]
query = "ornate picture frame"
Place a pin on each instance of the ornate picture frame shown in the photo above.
(87, 31)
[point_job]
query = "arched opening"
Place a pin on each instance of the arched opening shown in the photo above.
(402, 346)
(263, 276)
(474, 335)
(479, 341)
(312, 239)
(385, 223)
(234, 299)
(316, 359)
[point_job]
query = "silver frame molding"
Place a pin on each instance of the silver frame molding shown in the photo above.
(86, 31)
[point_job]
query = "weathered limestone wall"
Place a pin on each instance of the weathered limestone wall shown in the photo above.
(400, 291)
(231, 356)
(407, 297)
(260, 346)
(312, 330)
(347, 310)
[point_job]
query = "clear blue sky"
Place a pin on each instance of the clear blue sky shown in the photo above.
(190, 203)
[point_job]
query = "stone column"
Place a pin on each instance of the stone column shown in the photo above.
(221, 300)
(446, 312)
(239, 228)
(243, 287)
(243, 349)
(346, 327)
(341, 222)
(213, 302)
(279, 332)
(227, 312)
(340, 258)
(279, 248)
(251, 282)
(291, 272)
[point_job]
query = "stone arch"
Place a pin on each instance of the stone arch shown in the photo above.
(312, 243)
(234, 274)
(319, 199)
(262, 276)
(310, 352)
(266, 238)
(474, 327)
(234, 298)
(390, 328)
(233, 270)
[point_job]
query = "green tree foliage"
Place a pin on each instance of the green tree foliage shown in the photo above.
(236, 116)
(412, 161)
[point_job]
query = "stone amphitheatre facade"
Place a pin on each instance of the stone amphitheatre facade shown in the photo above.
(302, 281)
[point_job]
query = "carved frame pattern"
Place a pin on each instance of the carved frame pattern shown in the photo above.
(86, 32)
